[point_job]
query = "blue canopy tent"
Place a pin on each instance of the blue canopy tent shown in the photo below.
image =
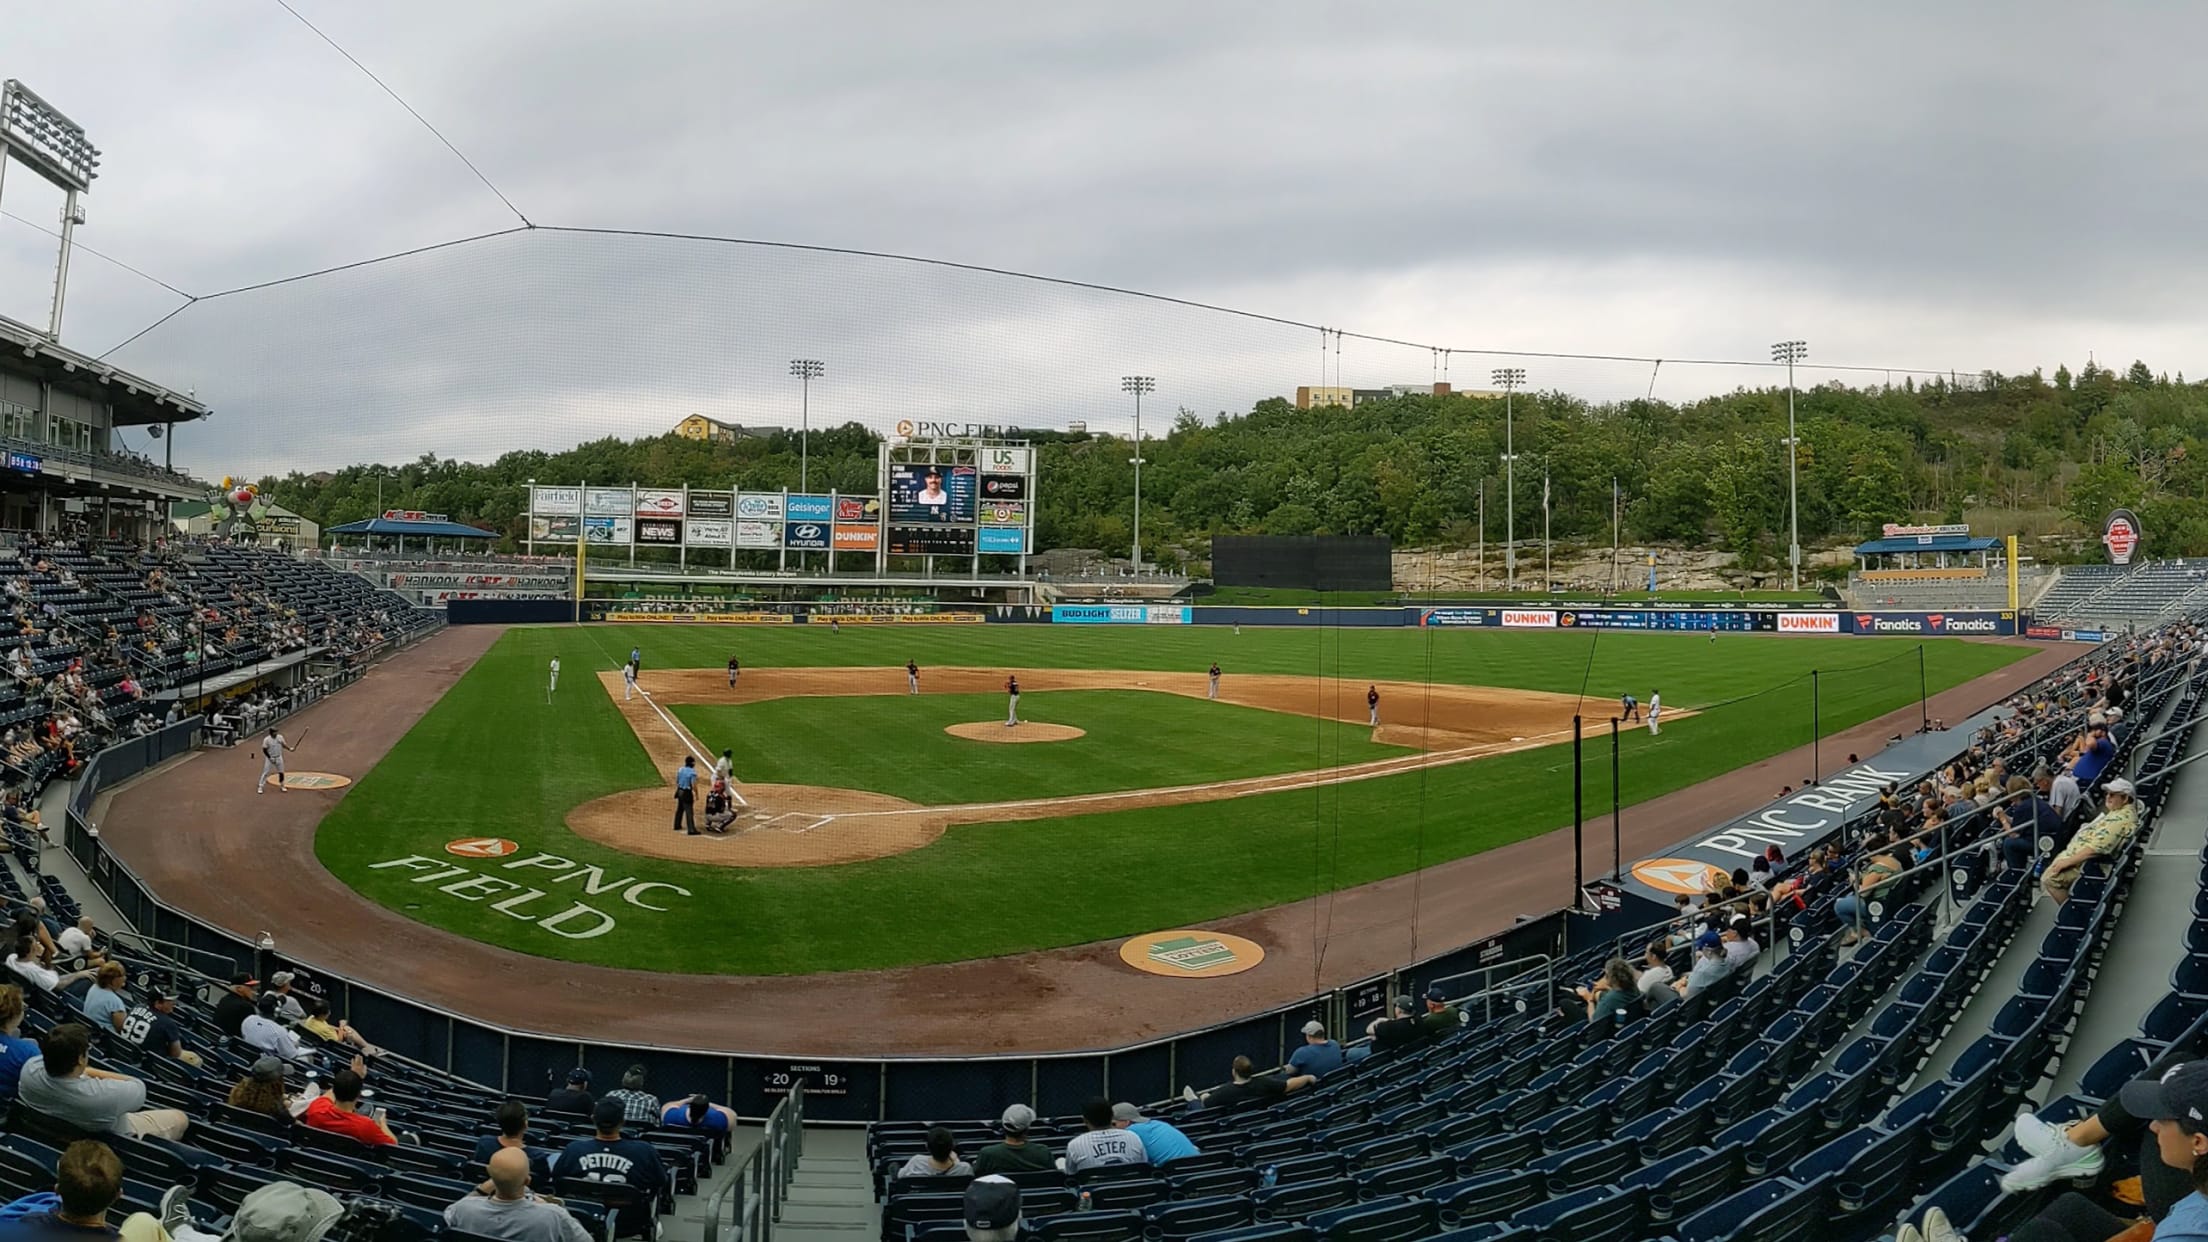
(423, 526)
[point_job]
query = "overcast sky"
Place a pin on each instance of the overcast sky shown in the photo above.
(1970, 185)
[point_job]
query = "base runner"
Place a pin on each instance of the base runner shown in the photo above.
(1012, 695)
(272, 760)
(628, 681)
(912, 677)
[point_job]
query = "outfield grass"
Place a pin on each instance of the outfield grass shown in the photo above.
(491, 759)
(1136, 739)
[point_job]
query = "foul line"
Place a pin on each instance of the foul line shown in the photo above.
(681, 734)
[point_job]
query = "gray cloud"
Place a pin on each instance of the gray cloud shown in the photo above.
(1970, 185)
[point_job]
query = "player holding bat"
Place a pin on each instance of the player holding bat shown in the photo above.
(272, 757)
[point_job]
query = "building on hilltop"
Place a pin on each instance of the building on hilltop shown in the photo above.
(699, 427)
(1310, 397)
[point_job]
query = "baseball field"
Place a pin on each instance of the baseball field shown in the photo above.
(880, 828)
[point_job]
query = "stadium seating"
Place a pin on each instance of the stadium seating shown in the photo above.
(2118, 595)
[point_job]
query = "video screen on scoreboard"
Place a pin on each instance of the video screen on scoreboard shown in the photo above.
(926, 493)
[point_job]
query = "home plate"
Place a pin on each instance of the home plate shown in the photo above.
(1517, 739)
(761, 815)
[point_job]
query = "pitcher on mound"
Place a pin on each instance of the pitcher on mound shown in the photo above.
(1012, 697)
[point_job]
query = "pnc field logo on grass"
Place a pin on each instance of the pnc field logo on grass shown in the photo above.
(1191, 954)
(482, 847)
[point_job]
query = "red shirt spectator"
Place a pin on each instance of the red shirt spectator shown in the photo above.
(336, 1113)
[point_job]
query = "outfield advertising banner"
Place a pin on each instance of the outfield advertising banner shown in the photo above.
(1452, 617)
(798, 508)
(759, 534)
(1529, 618)
(1003, 540)
(1003, 487)
(806, 536)
(857, 538)
(567, 501)
(708, 618)
(1809, 623)
(554, 529)
(658, 503)
(1958, 624)
(1002, 460)
(1119, 614)
(613, 530)
(1004, 513)
(761, 505)
(712, 504)
(707, 532)
(659, 532)
(858, 509)
(609, 502)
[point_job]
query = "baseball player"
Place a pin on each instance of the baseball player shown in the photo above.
(1632, 708)
(628, 680)
(835, 626)
(1214, 680)
(1012, 695)
(554, 684)
(735, 670)
(912, 677)
(1655, 709)
(1372, 705)
(724, 767)
(272, 760)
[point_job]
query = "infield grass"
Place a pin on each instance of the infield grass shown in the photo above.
(492, 759)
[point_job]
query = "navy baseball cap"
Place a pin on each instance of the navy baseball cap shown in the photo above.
(2181, 1094)
(578, 1075)
(1436, 995)
(992, 1202)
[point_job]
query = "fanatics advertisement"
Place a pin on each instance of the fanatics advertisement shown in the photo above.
(924, 493)
(1956, 623)
(931, 540)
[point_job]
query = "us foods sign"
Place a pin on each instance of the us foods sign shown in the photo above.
(560, 895)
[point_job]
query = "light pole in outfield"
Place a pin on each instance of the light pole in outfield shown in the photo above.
(1510, 379)
(806, 370)
(1138, 385)
(1791, 352)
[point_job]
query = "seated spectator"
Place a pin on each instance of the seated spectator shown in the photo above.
(337, 1111)
(1442, 1018)
(1613, 993)
(317, 1024)
(1401, 1031)
(575, 1097)
(1015, 1154)
(282, 1212)
(513, 1135)
(700, 1114)
(1878, 869)
(1741, 949)
(88, 1182)
(939, 1160)
(503, 1207)
(1104, 1144)
(58, 1083)
(2094, 755)
(289, 1009)
(637, 1104)
(264, 1034)
(104, 1004)
(262, 1090)
(15, 1051)
(153, 1026)
(76, 946)
(1161, 1139)
(1319, 1055)
(1709, 966)
(608, 1158)
(2165, 1115)
(1247, 1084)
(1654, 980)
(2101, 837)
(992, 1210)
(236, 1005)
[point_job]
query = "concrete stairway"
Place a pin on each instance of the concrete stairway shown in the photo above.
(831, 1198)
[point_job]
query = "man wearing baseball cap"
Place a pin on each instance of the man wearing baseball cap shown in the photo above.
(1015, 1154)
(2174, 1106)
(992, 1209)
(1319, 1055)
(2102, 837)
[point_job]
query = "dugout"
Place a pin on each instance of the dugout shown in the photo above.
(1304, 562)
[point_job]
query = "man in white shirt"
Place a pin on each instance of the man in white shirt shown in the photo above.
(555, 682)
(1103, 1144)
(272, 760)
(1654, 980)
(266, 1034)
(2063, 793)
(76, 943)
(1741, 948)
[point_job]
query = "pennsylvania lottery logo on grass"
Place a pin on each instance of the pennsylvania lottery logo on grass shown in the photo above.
(1191, 954)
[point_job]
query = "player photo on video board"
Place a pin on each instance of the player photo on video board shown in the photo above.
(924, 493)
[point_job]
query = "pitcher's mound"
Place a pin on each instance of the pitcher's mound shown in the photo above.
(1025, 731)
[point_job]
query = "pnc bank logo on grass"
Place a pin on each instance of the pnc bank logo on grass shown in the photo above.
(1677, 875)
(536, 887)
(1191, 954)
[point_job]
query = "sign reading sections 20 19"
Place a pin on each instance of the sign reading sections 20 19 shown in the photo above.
(558, 894)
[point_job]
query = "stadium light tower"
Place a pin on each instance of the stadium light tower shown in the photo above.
(1138, 385)
(806, 370)
(38, 136)
(1510, 379)
(1791, 352)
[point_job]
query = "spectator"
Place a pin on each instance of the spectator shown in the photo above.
(700, 1114)
(1319, 1055)
(76, 945)
(28, 962)
(1654, 980)
(317, 1024)
(1442, 1018)
(939, 1160)
(1015, 1154)
(338, 1112)
(1247, 1084)
(288, 1009)
(153, 1026)
(262, 1090)
(992, 1210)
(2063, 791)
(236, 1004)
(2027, 818)
(575, 1097)
(2162, 1111)
(2094, 757)
(1709, 966)
(1741, 949)
(1613, 994)
(2101, 837)
(59, 1084)
(1161, 1139)
(1104, 1144)
(504, 1208)
(1878, 869)
(1401, 1031)
(513, 1135)
(608, 1158)
(103, 1003)
(88, 1182)
(637, 1104)
(283, 1212)
(15, 1051)
(264, 1034)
